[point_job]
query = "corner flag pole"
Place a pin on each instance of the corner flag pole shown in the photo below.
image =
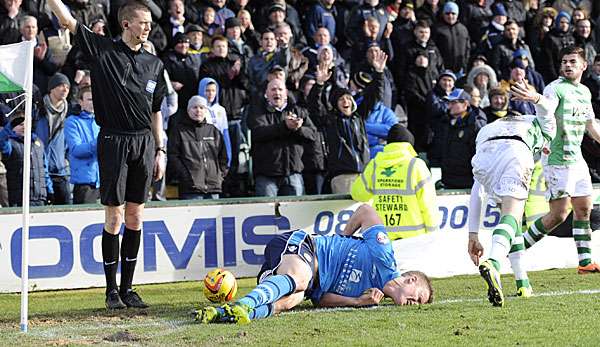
(26, 192)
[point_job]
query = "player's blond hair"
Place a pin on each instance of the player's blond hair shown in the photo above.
(423, 280)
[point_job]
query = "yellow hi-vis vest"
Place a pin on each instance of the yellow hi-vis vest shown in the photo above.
(536, 205)
(398, 185)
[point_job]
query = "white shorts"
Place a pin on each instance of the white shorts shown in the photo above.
(568, 180)
(503, 168)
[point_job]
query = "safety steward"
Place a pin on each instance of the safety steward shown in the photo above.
(398, 185)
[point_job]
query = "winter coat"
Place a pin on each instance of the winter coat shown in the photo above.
(419, 83)
(197, 153)
(81, 136)
(183, 69)
(262, 62)
(405, 59)
(454, 43)
(54, 144)
(12, 148)
(233, 93)
(276, 150)
(218, 115)
(377, 125)
(553, 42)
(502, 56)
(346, 136)
(458, 142)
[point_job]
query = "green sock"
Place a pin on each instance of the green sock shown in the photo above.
(582, 234)
(502, 238)
(515, 256)
(535, 233)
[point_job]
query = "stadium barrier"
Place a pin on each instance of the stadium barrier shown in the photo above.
(183, 240)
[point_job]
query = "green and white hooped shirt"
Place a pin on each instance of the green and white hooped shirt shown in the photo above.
(572, 106)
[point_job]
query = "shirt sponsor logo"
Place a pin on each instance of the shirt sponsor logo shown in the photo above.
(150, 86)
(355, 276)
(382, 238)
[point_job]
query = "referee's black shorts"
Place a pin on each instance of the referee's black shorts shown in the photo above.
(126, 162)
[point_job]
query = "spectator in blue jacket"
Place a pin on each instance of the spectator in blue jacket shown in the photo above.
(12, 148)
(267, 57)
(81, 135)
(321, 15)
(377, 125)
(50, 130)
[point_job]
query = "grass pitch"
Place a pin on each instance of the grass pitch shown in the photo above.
(565, 311)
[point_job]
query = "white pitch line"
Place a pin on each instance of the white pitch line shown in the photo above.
(452, 301)
(174, 324)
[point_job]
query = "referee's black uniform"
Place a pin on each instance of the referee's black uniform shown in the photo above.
(128, 86)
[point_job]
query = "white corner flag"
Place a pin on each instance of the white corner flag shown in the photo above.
(16, 76)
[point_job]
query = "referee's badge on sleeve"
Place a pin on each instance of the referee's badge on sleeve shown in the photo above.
(150, 86)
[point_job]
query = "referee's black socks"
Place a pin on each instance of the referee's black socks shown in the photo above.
(129, 251)
(110, 257)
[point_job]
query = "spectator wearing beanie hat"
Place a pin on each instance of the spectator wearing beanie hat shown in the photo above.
(498, 104)
(436, 110)
(558, 38)
(397, 168)
(495, 30)
(344, 120)
(238, 48)
(197, 152)
(452, 39)
(533, 77)
(50, 130)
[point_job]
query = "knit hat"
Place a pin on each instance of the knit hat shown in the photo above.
(180, 38)
(520, 53)
(362, 79)
(451, 7)
(499, 10)
(337, 93)
(448, 73)
(232, 22)
(399, 133)
(197, 100)
(57, 80)
(498, 91)
(517, 63)
(561, 14)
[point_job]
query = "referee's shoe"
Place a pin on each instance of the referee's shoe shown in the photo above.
(113, 300)
(132, 299)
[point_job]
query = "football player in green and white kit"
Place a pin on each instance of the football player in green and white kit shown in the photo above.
(502, 167)
(565, 171)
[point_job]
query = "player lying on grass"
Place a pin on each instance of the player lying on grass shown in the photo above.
(337, 270)
(502, 167)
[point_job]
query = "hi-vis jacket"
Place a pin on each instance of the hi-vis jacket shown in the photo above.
(398, 185)
(536, 205)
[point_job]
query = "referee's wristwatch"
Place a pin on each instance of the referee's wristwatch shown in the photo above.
(161, 149)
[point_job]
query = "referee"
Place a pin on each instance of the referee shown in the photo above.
(128, 88)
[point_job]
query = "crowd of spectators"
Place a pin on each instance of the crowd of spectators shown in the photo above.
(274, 97)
